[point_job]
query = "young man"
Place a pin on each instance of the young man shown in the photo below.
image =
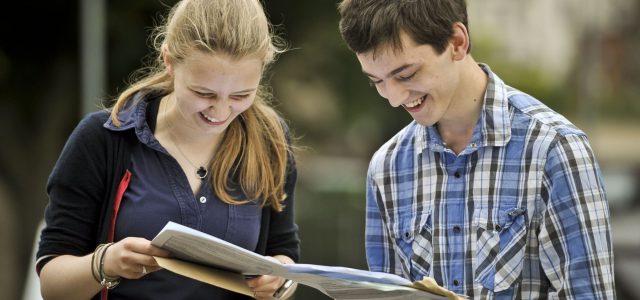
(488, 191)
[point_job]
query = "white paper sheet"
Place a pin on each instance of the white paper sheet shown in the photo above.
(336, 282)
(195, 246)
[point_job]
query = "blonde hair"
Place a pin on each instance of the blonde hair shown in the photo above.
(254, 150)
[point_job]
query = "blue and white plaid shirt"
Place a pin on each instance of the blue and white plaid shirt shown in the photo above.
(520, 213)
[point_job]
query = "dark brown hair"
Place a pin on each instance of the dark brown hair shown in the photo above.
(366, 25)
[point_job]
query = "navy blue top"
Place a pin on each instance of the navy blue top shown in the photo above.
(158, 192)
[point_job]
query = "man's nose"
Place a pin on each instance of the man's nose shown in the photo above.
(395, 93)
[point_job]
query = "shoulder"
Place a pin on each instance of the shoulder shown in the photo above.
(562, 139)
(90, 127)
(529, 110)
(93, 133)
(94, 121)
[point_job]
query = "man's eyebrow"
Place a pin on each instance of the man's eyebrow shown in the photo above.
(393, 72)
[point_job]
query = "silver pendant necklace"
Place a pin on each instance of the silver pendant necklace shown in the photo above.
(201, 171)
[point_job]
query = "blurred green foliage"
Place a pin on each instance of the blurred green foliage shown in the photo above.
(318, 86)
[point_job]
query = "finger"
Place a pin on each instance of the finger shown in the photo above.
(143, 270)
(259, 280)
(141, 251)
(252, 282)
(263, 295)
(155, 251)
(144, 246)
(270, 280)
(123, 260)
(151, 269)
(137, 259)
(266, 283)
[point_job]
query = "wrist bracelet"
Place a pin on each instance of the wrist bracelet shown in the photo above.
(94, 266)
(283, 289)
(106, 281)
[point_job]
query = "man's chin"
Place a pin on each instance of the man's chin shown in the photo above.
(425, 123)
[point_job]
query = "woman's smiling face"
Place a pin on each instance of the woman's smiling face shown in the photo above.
(211, 90)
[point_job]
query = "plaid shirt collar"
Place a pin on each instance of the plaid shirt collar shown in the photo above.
(494, 125)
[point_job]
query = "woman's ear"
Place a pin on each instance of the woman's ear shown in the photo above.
(459, 41)
(166, 59)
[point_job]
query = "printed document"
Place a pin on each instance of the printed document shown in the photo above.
(212, 260)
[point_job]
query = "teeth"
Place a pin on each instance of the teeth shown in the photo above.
(211, 119)
(414, 103)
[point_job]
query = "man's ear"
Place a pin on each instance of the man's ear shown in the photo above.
(459, 41)
(166, 59)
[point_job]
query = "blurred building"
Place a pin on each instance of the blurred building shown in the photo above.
(546, 32)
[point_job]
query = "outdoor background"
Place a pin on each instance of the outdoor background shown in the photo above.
(58, 58)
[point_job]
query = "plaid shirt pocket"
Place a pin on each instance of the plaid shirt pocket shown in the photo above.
(500, 249)
(422, 250)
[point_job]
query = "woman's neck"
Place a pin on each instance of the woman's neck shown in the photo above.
(171, 129)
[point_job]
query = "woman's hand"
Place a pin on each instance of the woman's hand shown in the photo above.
(265, 286)
(132, 258)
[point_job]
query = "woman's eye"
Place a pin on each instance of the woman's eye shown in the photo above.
(204, 95)
(240, 97)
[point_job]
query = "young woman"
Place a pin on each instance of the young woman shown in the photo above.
(193, 141)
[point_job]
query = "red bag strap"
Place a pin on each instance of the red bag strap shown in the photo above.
(122, 187)
(124, 183)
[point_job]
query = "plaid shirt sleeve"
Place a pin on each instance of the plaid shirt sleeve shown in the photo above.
(575, 240)
(375, 239)
(379, 247)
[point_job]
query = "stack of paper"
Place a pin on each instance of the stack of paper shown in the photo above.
(209, 259)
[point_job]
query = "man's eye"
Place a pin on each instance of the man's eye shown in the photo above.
(374, 82)
(406, 78)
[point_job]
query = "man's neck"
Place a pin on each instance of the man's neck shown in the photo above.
(456, 128)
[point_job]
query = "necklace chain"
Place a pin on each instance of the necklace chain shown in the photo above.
(201, 171)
